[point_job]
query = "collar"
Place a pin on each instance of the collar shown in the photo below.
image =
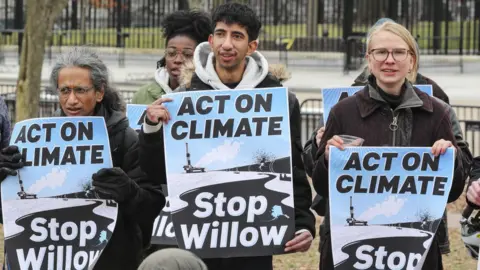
(369, 100)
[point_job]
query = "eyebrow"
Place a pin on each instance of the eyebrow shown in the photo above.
(239, 33)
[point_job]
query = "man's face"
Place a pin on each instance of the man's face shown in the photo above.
(76, 93)
(230, 45)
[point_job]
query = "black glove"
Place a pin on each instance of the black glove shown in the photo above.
(10, 161)
(115, 183)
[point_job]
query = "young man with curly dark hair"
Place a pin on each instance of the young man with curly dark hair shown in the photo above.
(229, 60)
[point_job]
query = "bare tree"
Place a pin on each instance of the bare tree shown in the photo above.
(261, 156)
(424, 215)
(39, 22)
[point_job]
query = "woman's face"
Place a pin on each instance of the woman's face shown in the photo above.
(179, 49)
(76, 93)
(389, 59)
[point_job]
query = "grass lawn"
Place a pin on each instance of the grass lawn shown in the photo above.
(152, 38)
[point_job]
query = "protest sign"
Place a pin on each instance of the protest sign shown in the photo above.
(163, 232)
(229, 172)
(53, 218)
(136, 115)
(386, 205)
(331, 96)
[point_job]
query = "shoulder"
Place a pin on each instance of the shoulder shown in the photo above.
(437, 90)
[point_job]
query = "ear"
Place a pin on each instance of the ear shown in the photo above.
(99, 95)
(252, 47)
(210, 40)
(413, 61)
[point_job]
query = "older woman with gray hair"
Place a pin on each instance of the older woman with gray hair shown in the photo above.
(83, 87)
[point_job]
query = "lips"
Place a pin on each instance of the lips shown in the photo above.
(227, 57)
(389, 72)
(73, 111)
(175, 72)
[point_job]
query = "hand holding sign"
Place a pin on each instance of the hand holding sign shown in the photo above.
(340, 141)
(319, 135)
(157, 111)
(301, 242)
(440, 146)
(473, 192)
(10, 161)
(115, 182)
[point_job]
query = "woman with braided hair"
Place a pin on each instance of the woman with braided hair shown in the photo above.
(183, 31)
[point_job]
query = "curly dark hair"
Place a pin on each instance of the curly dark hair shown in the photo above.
(242, 14)
(196, 25)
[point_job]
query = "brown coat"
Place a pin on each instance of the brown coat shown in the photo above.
(421, 119)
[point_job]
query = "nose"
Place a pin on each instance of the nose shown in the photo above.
(390, 59)
(227, 43)
(72, 99)
(179, 59)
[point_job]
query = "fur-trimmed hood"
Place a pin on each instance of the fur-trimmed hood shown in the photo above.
(255, 72)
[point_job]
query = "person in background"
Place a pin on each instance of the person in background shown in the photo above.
(172, 259)
(183, 31)
(388, 98)
(5, 124)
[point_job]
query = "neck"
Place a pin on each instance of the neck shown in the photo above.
(392, 89)
(172, 83)
(231, 75)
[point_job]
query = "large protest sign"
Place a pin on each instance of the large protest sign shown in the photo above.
(228, 157)
(163, 232)
(386, 205)
(53, 218)
(331, 96)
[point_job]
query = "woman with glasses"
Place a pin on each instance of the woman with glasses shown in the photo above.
(389, 111)
(81, 80)
(183, 31)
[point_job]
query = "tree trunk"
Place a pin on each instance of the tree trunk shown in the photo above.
(40, 17)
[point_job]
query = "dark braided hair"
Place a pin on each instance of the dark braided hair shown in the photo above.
(196, 25)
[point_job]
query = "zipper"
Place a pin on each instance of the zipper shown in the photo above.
(394, 125)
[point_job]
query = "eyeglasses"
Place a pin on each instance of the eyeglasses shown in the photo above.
(77, 91)
(171, 54)
(382, 54)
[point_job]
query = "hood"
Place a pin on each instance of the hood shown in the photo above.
(255, 72)
(161, 77)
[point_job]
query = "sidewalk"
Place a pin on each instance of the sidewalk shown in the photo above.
(463, 89)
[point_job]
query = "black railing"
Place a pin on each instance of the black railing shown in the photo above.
(313, 25)
(48, 102)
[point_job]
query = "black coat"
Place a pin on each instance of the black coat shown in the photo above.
(422, 120)
(133, 229)
(152, 155)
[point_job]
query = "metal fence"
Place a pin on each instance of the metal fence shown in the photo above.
(48, 102)
(468, 116)
(297, 25)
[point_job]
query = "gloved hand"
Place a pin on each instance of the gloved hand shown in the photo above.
(115, 183)
(10, 161)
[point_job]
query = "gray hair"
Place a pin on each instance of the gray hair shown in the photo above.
(85, 58)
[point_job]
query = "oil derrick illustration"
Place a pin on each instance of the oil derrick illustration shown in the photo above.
(22, 194)
(189, 168)
(351, 220)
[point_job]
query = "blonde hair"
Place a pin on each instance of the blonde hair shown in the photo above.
(405, 35)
